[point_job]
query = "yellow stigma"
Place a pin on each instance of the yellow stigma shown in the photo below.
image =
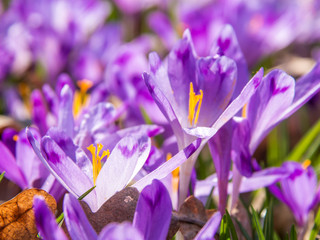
(81, 97)
(96, 159)
(194, 101)
(15, 137)
(175, 175)
(306, 164)
(244, 110)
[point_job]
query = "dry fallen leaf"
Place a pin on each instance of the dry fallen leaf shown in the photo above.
(192, 217)
(120, 207)
(17, 216)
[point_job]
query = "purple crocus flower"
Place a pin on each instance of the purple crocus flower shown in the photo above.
(22, 166)
(259, 116)
(194, 95)
(298, 190)
(74, 170)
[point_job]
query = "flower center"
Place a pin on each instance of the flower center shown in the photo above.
(81, 96)
(194, 106)
(96, 159)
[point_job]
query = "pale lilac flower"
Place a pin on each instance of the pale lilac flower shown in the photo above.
(194, 94)
(299, 190)
(74, 170)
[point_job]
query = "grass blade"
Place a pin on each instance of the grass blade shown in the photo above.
(2, 175)
(256, 224)
(231, 227)
(303, 145)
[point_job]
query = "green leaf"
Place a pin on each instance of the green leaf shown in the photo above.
(293, 233)
(256, 224)
(209, 199)
(316, 226)
(231, 226)
(303, 145)
(224, 231)
(2, 175)
(277, 145)
(145, 116)
(268, 222)
(86, 193)
(60, 218)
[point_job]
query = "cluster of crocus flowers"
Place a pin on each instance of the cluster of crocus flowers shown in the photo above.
(86, 131)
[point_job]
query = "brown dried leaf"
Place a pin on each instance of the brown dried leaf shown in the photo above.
(192, 217)
(119, 208)
(17, 216)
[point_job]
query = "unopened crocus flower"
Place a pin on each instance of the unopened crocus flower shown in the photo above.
(299, 190)
(194, 94)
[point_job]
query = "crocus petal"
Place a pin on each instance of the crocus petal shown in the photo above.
(66, 121)
(217, 79)
(182, 71)
(210, 228)
(299, 189)
(7, 138)
(264, 109)
(111, 140)
(227, 45)
(240, 101)
(46, 222)
(123, 231)
(162, 101)
(306, 87)
(51, 99)
(153, 212)
(220, 149)
(125, 160)
(170, 165)
(262, 179)
(203, 187)
(76, 221)
(39, 112)
(200, 132)
(240, 153)
(66, 171)
(75, 153)
(9, 165)
(27, 160)
(96, 123)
